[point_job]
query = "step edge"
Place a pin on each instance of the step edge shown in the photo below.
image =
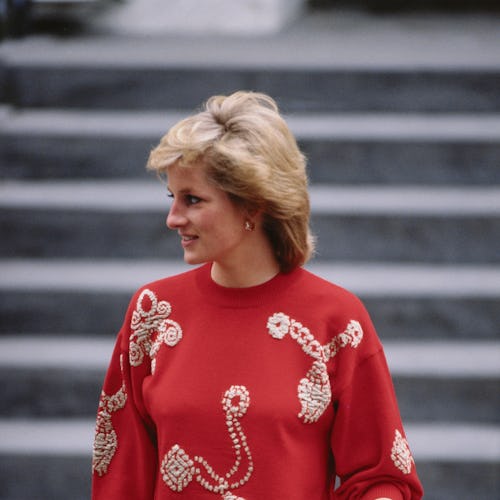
(150, 195)
(449, 442)
(367, 279)
(416, 359)
(374, 126)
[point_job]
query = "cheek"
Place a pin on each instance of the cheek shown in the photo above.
(226, 219)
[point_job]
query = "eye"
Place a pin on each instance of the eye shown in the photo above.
(191, 199)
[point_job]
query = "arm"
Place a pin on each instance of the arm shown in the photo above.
(124, 460)
(372, 456)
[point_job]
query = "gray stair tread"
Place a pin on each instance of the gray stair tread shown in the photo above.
(408, 358)
(367, 279)
(133, 195)
(367, 126)
(348, 39)
(454, 442)
(430, 442)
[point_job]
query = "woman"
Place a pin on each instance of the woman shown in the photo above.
(248, 377)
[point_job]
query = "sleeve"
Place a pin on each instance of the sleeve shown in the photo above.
(372, 456)
(124, 461)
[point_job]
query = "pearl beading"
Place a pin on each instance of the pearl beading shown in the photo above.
(400, 454)
(314, 391)
(178, 469)
(151, 328)
(105, 438)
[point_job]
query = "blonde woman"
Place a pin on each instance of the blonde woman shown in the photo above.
(247, 377)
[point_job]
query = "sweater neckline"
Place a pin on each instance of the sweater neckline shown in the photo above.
(242, 297)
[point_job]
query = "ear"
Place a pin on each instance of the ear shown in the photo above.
(253, 213)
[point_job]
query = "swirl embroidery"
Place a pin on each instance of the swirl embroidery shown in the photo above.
(314, 391)
(151, 327)
(178, 469)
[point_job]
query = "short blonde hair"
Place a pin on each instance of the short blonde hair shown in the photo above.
(250, 153)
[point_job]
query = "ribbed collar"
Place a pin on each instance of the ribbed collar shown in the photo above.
(240, 298)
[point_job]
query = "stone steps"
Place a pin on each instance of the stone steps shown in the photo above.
(407, 302)
(400, 120)
(66, 312)
(349, 64)
(361, 65)
(439, 442)
(373, 148)
(54, 453)
(368, 279)
(116, 196)
(53, 377)
(333, 90)
(424, 224)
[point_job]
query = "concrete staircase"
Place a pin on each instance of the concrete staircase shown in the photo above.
(400, 120)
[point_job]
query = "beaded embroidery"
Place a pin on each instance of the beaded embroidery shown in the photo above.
(178, 469)
(401, 454)
(314, 391)
(151, 328)
(106, 440)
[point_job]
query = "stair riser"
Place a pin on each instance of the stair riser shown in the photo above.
(94, 312)
(50, 393)
(81, 234)
(56, 86)
(459, 481)
(475, 400)
(338, 161)
(25, 477)
(60, 478)
(57, 393)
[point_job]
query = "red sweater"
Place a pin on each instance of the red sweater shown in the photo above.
(268, 392)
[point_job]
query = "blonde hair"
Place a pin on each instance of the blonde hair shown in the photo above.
(248, 152)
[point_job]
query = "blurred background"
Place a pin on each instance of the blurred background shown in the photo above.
(396, 105)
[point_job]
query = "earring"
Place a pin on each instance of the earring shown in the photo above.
(249, 226)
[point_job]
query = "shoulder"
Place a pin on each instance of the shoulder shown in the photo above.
(171, 288)
(168, 284)
(335, 311)
(323, 291)
(152, 304)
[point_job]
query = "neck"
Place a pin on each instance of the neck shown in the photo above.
(258, 271)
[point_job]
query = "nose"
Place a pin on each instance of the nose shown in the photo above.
(175, 217)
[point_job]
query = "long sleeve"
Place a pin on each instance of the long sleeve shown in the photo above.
(372, 455)
(124, 461)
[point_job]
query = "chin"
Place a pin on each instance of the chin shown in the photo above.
(193, 260)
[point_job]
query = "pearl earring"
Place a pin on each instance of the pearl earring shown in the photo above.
(249, 226)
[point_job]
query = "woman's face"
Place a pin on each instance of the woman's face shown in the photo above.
(210, 225)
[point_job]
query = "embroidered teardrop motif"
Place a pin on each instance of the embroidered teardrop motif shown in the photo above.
(314, 391)
(401, 454)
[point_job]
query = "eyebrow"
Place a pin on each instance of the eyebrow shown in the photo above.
(182, 191)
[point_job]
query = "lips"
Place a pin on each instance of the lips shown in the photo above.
(187, 239)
